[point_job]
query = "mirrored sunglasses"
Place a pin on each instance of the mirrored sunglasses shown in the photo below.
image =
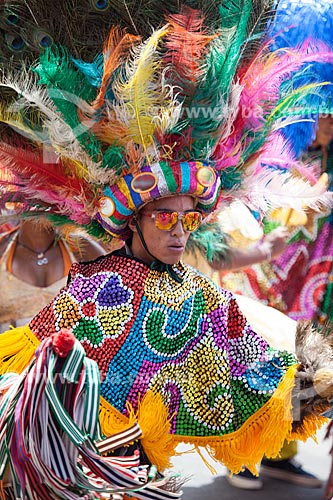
(166, 220)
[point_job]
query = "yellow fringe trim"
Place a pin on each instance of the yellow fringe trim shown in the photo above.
(152, 417)
(262, 434)
(310, 425)
(17, 349)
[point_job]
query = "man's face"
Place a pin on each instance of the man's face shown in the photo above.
(166, 246)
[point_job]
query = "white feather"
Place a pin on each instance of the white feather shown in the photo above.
(281, 123)
(272, 190)
(231, 110)
(237, 217)
(55, 132)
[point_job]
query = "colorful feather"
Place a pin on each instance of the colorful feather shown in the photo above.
(269, 190)
(279, 153)
(35, 116)
(294, 100)
(186, 45)
(69, 91)
(115, 50)
(269, 96)
(181, 94)
(264, 75)
(139, 93)
(210, 240)
(210, 104)
(50, 183)
(294, 22)
(93, 71)
(144, 104)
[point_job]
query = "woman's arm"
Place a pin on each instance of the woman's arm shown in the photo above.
(270, 247)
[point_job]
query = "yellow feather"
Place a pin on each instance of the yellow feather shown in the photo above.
(142, 93)
(302, 91)
(15, 120)
(75, 166)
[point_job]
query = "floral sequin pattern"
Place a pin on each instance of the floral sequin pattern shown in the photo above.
(95, 308)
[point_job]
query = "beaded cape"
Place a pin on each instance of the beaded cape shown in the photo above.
(188, 342)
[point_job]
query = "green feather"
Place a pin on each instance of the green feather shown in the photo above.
(230, 177)
(210, 100)
(66, 87)
(210, 240)
(292, 99)
(241, 23)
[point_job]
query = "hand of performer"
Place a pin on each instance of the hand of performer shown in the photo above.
(274, 243)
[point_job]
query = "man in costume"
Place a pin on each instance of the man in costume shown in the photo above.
(140, 348)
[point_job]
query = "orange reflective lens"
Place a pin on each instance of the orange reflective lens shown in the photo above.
(165, 220)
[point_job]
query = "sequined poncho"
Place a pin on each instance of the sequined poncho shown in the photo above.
(187, 342)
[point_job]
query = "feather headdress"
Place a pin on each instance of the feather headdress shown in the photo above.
(196, 107)
(293, 23)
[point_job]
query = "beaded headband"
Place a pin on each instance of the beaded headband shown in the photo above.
(159, 180)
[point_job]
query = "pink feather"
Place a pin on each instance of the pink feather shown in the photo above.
(49, 183)
(261, 80)
(228, 153)
(278, 153)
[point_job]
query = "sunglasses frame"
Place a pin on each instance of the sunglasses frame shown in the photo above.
(180, 216)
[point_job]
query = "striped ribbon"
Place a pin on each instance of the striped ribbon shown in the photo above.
(50, 442)
(120, 439)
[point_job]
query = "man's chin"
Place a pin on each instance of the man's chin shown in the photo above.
(171, 262)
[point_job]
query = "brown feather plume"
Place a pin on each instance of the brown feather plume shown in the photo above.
(314, 351)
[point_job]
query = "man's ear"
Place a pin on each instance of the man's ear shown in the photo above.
(132, 224)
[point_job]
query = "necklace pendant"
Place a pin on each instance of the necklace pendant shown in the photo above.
(42, 261)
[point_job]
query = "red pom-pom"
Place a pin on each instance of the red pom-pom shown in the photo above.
(63, 342)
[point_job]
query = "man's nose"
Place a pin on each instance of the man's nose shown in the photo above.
(178, 229)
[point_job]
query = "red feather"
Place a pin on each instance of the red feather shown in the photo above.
(186, 44)
(52, 184)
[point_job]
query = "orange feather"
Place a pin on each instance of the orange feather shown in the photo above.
(115, 50)
(187, 43)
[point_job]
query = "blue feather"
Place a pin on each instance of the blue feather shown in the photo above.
(293, 23)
